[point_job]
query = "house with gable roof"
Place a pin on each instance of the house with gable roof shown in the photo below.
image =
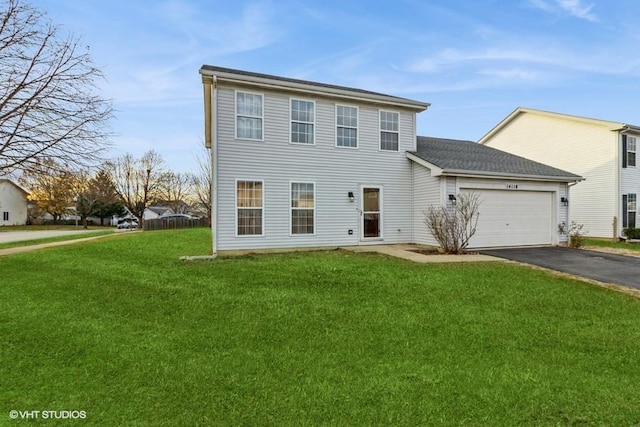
(301, 164)
(13, 203)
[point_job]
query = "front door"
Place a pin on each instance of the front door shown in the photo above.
(371, 212)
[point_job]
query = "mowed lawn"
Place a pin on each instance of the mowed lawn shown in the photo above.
(123, 330)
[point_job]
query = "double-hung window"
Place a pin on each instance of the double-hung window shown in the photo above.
(249, 116)
(389, 130)
(303, 206)
(629, 208)
(346, 126)
(249, 208)
(631, 151)
(302, 121)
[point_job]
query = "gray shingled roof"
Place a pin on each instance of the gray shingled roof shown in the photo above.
(213, 69)
(455, 156)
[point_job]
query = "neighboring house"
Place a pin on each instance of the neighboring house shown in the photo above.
(601, 151)
(155, 212)
(305, 164)
(13, 203)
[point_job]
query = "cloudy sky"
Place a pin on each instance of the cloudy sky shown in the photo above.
(474, 61)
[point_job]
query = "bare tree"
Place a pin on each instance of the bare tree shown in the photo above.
(202, 183)
(49, 106)
(453, 226)
(137, 181)
(175, 191)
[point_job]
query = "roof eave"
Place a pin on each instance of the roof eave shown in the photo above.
(311, 89)
(522, 177)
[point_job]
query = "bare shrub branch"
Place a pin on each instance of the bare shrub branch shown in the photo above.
(453, 226)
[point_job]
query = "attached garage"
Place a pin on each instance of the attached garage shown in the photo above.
(522, 202)
(514, 218)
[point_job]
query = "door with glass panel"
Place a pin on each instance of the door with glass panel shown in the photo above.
(371, 212)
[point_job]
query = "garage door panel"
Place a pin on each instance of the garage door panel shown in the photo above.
(513, 218)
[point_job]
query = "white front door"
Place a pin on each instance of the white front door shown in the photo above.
(371, 212)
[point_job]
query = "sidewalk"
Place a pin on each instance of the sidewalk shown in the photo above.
(29, 248)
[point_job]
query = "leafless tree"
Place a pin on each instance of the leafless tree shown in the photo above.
(49, 106)
(453, 226)
(137, 181)
(202, 183)
(175, 191)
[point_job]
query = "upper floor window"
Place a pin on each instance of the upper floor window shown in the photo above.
(249, 208)
(631, 151)
(249, 116)
(389, 130)
(346, 126)
(302, 207)
(302, 121)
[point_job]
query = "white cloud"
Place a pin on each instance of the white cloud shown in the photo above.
(574, 8)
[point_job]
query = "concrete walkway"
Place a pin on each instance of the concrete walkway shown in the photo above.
(30, 248)
(408, 252)
(18, 236)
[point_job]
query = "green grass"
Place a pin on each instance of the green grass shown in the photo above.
(8, 245)
(123, 330)
(610, 243)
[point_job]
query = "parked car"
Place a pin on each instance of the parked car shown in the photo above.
(128, 223)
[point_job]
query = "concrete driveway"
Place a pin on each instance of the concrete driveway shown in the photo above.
(604, 267)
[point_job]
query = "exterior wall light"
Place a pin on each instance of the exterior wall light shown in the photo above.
(452, 198)
(350, 195)
(564, 201)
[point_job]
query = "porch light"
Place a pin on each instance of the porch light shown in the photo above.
(564, 201)
(452, 198)
(350, 195)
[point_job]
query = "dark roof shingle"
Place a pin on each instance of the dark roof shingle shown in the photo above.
(469, 157)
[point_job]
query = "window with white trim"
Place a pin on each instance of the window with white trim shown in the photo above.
(303, 206)
(302, 121)
(249, 116)
(389, 130)
(629, 208)
(631, 151)
(249, 208)
(346, 126)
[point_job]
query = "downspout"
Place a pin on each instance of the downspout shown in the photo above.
(214, 167)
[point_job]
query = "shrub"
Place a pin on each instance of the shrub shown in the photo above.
(453, 226)
(631, 232)
(575, 233)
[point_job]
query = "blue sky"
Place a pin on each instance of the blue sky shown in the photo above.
(474, 61)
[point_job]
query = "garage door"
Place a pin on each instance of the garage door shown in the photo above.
(513, 218)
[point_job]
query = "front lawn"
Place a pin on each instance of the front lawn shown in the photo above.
(123, 330)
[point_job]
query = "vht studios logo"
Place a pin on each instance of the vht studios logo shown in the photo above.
(47, 415)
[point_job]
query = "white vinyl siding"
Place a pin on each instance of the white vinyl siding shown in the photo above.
(13, 204)
(303, 208)
(427, 192)
(249, 208)
(583, 148)
(249, 116)
(389, 130)
(335, 172)
(346, 126)
(302, 121)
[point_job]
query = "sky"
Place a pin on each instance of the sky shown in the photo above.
(475, 61)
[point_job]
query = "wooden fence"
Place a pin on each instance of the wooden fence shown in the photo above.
(170, 224)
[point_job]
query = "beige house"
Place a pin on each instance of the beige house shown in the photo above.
(603, 152)
(13, 203)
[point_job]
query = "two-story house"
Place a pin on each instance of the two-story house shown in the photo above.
(603, 152)
(13, 203)
(304, 164)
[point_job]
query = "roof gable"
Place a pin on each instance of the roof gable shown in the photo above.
(8, 181)
(458, 157)
(610, 125)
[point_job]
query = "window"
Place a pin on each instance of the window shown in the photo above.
(628, 151)
(629, 207)
(249, 208)
(389, 131)
(631, 151)
(5, 216)
(302, 121)
(249, 116)
(302, 208)
(347, 126)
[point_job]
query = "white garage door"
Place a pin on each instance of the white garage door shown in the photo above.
(513, 218)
